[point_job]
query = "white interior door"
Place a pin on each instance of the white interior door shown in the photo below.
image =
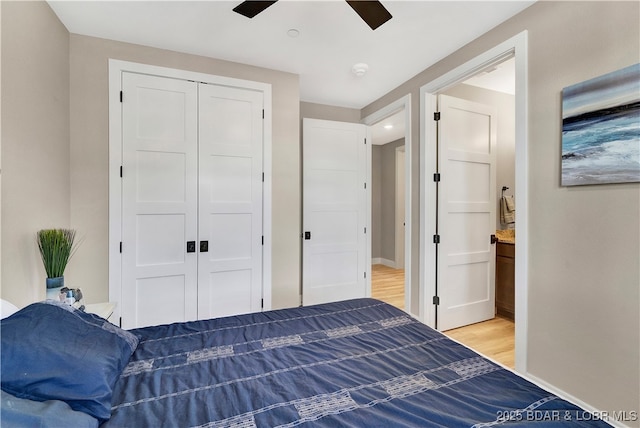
(230, 212)
(335, 214)
(466, 219)
(159, 200)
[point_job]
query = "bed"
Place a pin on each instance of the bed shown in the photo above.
(357, 363)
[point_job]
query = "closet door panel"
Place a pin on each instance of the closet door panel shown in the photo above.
(230, 211)
(230, 291)
(230, 177)
(159, 200)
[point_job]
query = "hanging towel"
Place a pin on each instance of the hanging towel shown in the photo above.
(507, 210)
(511, 206)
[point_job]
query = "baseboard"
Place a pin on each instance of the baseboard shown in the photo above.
(383, 261)
(608, 417)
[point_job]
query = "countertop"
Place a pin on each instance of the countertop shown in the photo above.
(506, 236)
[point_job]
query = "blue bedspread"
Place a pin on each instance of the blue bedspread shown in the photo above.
(358, 363)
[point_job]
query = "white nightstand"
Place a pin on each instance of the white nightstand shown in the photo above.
(104, 310)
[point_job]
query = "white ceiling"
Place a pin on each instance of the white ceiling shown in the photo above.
(388, 130)
(332, 37)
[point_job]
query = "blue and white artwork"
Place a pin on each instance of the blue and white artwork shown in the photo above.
(601, 129)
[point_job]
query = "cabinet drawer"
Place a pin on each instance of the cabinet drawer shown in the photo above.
(506, 250)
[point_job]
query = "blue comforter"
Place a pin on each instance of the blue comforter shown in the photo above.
(358, 363)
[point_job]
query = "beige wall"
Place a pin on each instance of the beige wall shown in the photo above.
(89, 157)
(35, 142)
(383, 200)
(583, 242)
(325, 112)
(504, 105)
(1, 150)
(55, 174)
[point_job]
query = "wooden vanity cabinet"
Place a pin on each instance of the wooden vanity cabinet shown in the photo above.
(505, 280)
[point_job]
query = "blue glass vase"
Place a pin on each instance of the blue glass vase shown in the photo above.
(54, 285)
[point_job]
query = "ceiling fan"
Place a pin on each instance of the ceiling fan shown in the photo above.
(371, 11)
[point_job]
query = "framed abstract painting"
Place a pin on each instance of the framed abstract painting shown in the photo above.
(601, 129)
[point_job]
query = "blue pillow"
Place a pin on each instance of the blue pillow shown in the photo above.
(20, 412)
(52, 351)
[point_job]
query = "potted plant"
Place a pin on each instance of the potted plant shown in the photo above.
(56, 248)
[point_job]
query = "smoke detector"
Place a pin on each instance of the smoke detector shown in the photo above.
(360, 69)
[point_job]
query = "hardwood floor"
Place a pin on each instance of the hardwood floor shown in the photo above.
(494, 338)
(387, 284)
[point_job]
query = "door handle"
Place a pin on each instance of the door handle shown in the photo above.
(494, 239)
(204, 246)
(191, 246)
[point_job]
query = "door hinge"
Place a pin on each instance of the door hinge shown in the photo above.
(436, 116)
(365, 274)
(263, 177)
(120, 171)
(365, 230)
(121, 246)
(436, 239)
(365, 141)
(436, 300)
(365, 185)
(262, 239)
(436, 177)
(263, 113)
(262, 303)
(120, 322)
(121, 96)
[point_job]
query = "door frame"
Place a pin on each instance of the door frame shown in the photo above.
(116, 68)
(403, 103)
(399, 224)
(516, 46)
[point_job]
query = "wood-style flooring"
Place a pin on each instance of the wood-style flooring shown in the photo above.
(494, 338)
(387, 284)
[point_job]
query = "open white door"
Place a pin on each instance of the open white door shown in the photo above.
(335, 213)
(466, 212)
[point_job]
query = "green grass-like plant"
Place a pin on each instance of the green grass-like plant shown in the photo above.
(56, 248)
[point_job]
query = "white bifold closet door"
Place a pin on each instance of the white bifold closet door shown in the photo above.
(191, 200)
(230, 212)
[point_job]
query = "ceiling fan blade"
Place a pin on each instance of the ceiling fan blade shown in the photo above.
(252, 8)
(372, 12)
